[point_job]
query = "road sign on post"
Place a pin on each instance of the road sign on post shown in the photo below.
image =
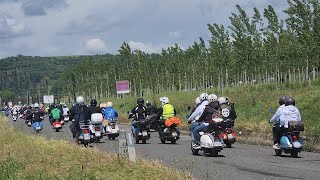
(123, 148)
(48, 99)
(122, 87)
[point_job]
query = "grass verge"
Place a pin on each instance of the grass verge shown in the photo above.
(30, 157)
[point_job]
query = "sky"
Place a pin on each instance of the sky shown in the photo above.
(85, 27)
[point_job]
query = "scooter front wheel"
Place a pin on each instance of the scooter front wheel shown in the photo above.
(194, 151)
(294, 154)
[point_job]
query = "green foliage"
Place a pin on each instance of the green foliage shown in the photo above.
(7, 95)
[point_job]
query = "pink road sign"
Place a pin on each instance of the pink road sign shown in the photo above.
(122, 87)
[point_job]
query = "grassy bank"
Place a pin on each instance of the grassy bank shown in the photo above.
(252, 104)
(30, 157)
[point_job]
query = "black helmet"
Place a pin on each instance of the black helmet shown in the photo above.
(290, 101)
(55, 106)
(148, 103)
(93, 102)
(140, 101)
(282, 100)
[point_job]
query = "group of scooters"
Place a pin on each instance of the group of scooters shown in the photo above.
(95, 130)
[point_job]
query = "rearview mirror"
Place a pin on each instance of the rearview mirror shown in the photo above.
(188, 107)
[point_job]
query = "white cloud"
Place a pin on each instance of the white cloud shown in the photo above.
(10, 28)
(96, 45)
(175, 34)
(146, 47)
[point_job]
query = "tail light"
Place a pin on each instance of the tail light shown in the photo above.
(224, 136)
(97, 129)
(295, 137)
(86, 131)
(234, 135)
(229, 131)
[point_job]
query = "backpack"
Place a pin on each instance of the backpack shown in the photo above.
(55, 113)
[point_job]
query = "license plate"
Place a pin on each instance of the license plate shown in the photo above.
(38, 128)
(58, 125)
(66, 118)
(174, 134)
(217, 144)
(113, 131)
(98, 134)
(230, 136)
(86, 136)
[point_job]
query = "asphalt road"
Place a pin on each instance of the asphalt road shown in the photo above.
(240, 162)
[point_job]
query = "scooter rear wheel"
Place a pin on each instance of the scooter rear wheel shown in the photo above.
(144, 141)
(173, 141)
(294, 154)
(278, 152)
(163, 141)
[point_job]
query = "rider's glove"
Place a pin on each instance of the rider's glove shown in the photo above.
(206, 124)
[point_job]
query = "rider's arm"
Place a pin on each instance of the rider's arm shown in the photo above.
(196, 113)
(276, 116)
(160, 111)
(299, 116)
(133, 111)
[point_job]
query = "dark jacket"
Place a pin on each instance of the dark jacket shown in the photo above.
(138, 112)
(92, 110)
(151, 110)
(211, 108)
(37, 114)
(79, 113)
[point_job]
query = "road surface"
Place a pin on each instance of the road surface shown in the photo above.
(240, 162)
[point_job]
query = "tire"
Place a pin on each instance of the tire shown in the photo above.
(173, 141)
(144, 141)
(57, 130)
(38, 131)
(214, 153)
(163, 141)
(137, 141)
(109, 137)
(113, 138)
(85, 144)
(278, 152)
(228, 144)
(194, 151)
(294, 154)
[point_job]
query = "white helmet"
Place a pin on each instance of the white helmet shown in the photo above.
(203, 96)
(109, 104)
(198, 101)
(36, 105)
(223, 100)
(212, 97)
(80, 99)
(164, 100)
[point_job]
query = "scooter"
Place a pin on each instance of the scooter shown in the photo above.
(211, 142)
(66, 118)
(14, 116)
(85, 134)
(291, 141)
(57, 125)
(170, 134)
(37, 126)
(229, 136)
(144, 131)
(112, 129)
(96, 127)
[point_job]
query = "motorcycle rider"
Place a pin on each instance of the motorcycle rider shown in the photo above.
(199, 110)
(290, 113)
(93, 108)
(138, 112)
(78, 112)
(55, 114)
(197, 103)
(165, 112)
(151, 109)
(37, 113)
(65, 110)
(29, 114)
(276, 131)
(205, 118)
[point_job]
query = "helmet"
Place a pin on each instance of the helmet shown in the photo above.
(164, 100)
(223, 100)
(282, 100)
(29, 107)
(109, 104)
(65, 106)
(203, 96)
(290, 101)
(140, 101)
(93, 102)
(36, 105)
(80, 99)
(103, 105)
(198, 101)
(212, 97)
(148, 103)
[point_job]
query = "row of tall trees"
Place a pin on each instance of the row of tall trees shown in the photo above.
(257, 49)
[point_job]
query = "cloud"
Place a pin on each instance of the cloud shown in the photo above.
(38, 7)
(96, 45)
(11, 28)
(95, 23)
(175, 34)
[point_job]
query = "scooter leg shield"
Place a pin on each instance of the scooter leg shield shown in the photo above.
(206, 141)
(285, 143)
